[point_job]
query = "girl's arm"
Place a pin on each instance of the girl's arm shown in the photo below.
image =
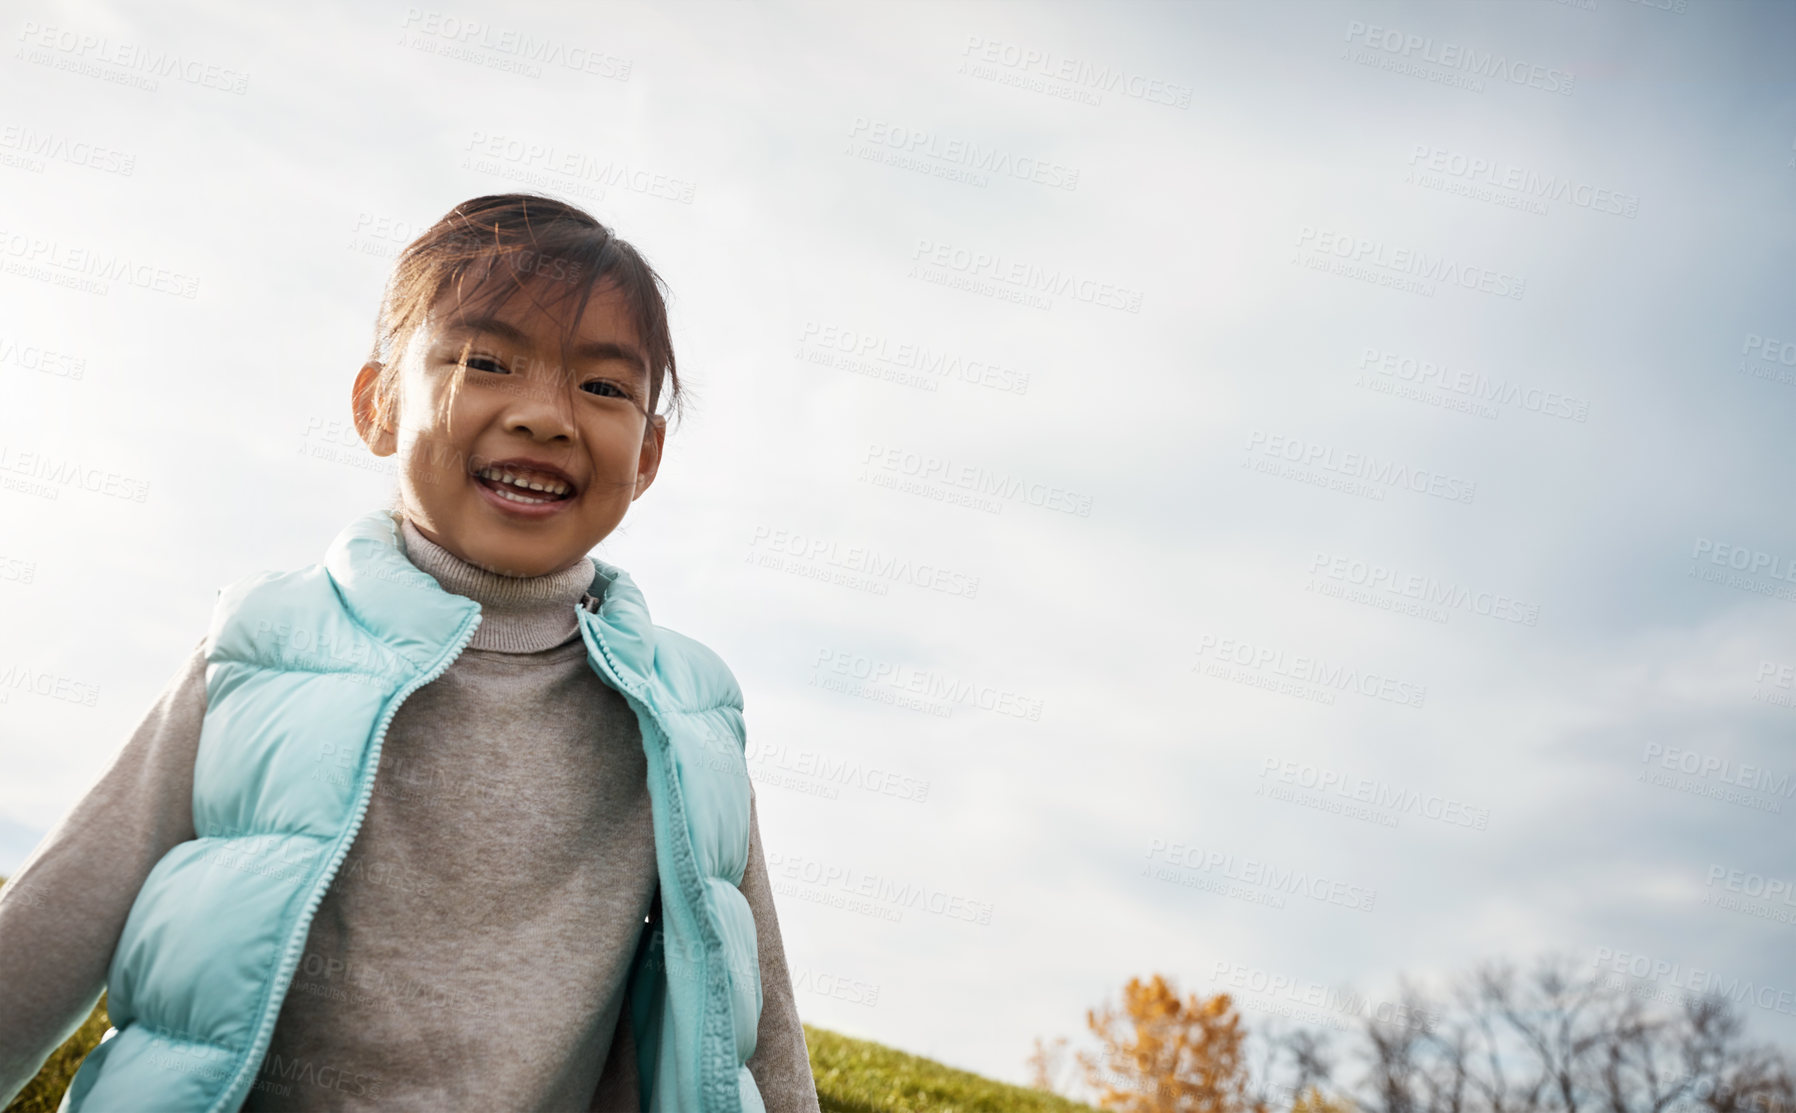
(781, 1065)
(62, 912)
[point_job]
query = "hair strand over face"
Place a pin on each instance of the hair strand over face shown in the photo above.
(543, 246)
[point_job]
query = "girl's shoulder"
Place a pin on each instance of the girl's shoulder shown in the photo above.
(696, 673)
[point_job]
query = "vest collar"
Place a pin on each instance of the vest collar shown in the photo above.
(621, 622)
(409, 610)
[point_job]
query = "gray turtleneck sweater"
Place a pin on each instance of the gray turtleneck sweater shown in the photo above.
(471, 951)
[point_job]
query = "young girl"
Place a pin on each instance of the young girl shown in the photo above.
(443, 821)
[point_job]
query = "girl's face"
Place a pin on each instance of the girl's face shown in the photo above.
(582, 443)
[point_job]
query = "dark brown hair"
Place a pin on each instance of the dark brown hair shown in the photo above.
(541, 243)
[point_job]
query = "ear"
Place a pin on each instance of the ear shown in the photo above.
(376, 427)
(648, 462)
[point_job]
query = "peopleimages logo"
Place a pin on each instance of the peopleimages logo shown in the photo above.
(878, 887)
(1379, 794)
(1428, 590)
(1253, 871)
(967, 153)
(16, 570)
(980, 481)
(49, 145)
(1315, 995)
(1026, 277)
(574, 166)
(881, 568)
(50, 470)
(31, 357)
(1465, 59)
(876, 348)
(1741, 559)
(50, 257)
(1311, 670)
(1711, 767)
(1780, 351)
(1755, 885)
(16, 677)
(1694, 981)
(929, 685)
(80, 49)
(1499, 174)
(523, 46)
(809, 763)
(1403, 260)
(1475, 385)
(1361, 465)
(1075, 72)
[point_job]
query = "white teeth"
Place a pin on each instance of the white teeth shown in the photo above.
(507, 476)
(519, 498)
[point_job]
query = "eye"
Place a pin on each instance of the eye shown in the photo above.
(486, 363)
(616, 391)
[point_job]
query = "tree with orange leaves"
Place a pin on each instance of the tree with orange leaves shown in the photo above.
(1164, 1055)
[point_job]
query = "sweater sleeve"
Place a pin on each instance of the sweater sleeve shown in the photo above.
(781, 1064)
(62, 912)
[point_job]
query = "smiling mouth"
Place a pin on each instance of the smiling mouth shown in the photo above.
(520, 486)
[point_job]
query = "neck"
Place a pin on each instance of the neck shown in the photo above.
(519, 614)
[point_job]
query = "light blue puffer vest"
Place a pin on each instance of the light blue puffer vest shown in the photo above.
(301, 664)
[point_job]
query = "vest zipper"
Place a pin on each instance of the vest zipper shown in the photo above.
(290, 957)
(676, 823)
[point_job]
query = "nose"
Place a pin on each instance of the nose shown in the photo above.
(540, 412)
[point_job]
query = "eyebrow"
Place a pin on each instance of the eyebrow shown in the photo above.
(594, 350)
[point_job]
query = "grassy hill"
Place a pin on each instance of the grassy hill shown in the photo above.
(859, 1076)
(853, 1076)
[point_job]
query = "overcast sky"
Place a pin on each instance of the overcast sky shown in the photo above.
(1278, 495)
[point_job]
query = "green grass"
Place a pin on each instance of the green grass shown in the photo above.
(859, 1076)
(853, 1076)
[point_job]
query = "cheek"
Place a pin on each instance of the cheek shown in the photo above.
(615, 451)
(446, 432)
(432, 461)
